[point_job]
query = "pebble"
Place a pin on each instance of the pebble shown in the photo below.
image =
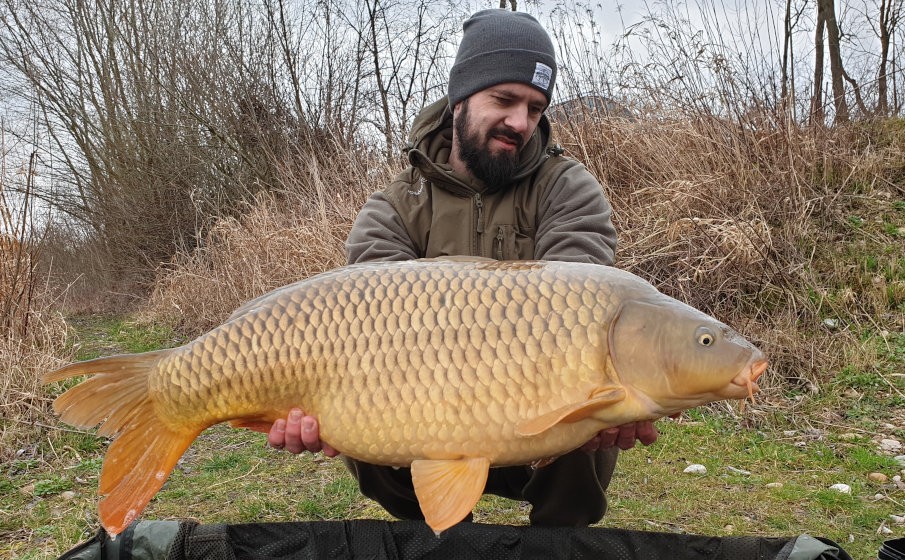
(897, 480)
(729, 528)
(885, 530)
(831, 323)
(774, 485)
(878, 477)
(695, 469)
(893, 445)
(68, 495)
(841, 488)
(898, 519)
(900, 459)
(738, 471)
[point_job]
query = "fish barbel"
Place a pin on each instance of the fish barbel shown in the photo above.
(450, 366)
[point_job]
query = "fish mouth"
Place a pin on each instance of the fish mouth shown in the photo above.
(745, 380)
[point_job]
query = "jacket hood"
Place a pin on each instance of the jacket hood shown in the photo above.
(430, 143)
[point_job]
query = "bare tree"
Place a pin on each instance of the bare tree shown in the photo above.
(890, 14)
(512, 3)
(826, 16)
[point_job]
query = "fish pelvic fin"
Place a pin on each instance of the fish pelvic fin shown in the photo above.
(145, 448)
(600, 398)
(448, 490)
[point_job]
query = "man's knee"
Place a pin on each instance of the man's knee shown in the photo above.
(389, 487)
(572, 490)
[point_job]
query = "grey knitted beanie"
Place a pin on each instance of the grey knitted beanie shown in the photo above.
(500, 46)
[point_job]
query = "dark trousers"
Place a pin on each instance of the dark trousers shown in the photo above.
(571, 491)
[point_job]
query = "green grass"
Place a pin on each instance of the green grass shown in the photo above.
(230, 476)
(806, 441)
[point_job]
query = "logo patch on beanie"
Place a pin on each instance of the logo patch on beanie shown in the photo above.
(542, 75)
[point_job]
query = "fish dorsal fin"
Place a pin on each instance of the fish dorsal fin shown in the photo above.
(458, 258)
(448, 490)
(601, 397)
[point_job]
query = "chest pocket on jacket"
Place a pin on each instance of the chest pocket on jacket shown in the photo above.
(513, 243)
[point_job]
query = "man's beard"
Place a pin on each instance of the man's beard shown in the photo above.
(494, 170)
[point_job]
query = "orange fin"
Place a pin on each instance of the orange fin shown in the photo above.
(448, 490)
(253, 424)
(145, 448)
(137, 464)
(600, 398)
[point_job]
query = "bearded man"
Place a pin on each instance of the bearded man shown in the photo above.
(486, 180)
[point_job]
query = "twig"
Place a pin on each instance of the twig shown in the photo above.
(258, 464)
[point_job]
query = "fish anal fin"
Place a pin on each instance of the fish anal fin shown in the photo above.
(601, 397)
(448, 490)
(254, 424)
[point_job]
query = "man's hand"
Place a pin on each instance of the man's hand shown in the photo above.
(623, 436)
(298, 433)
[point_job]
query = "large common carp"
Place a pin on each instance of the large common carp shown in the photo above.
(451, 366)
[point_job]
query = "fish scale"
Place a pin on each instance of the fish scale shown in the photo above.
(449, 366)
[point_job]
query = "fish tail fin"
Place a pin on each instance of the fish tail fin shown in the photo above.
(145, 449)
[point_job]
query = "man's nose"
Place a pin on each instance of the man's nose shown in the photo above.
(517, 119)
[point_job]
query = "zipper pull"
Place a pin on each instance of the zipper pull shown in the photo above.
(499, 239)
(479, 203)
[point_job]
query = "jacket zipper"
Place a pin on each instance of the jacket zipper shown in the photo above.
(479, 227)
(499, 240)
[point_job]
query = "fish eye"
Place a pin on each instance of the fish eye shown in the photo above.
(705, 337)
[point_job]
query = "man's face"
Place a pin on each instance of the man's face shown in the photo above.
(492, 126)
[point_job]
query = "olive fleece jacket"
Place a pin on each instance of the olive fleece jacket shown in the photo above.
(553, 210)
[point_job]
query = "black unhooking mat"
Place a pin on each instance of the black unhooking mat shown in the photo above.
(403, 540)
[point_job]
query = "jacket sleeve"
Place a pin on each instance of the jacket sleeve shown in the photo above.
(378, 234)
(575, 220)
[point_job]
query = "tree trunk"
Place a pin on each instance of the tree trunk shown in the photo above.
(890, 12)
(837, 71)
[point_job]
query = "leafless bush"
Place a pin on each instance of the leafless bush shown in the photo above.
(32, 334)
(282, 237)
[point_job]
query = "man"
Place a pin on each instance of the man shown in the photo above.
(485, 180)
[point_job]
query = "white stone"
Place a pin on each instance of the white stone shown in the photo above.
(897, 519)
(841, 488)
(774, 485)
(695, 469)
(890, 445)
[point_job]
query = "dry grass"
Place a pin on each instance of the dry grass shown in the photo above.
(32, 334)
(283, 237)
(729, 217)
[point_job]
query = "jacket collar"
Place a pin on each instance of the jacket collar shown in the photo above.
(430, 143)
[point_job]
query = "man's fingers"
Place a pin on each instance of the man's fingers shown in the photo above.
(646, 432)
(608, 437)
(310, 434)
(276, 437)
(293, 442)
(626, 437)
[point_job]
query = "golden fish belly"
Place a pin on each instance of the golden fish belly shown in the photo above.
(405, 362)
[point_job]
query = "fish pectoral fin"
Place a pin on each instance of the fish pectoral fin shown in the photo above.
(448, 490)
(601, 397)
